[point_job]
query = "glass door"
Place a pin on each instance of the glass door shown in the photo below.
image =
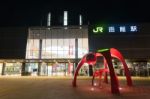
(44, 69)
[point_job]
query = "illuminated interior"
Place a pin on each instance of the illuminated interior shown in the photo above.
(13, 68)
(60, 45)
(56, 44)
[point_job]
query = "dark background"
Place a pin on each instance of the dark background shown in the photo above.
(34, 12)
(17, 15)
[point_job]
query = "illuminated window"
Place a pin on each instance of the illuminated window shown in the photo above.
(133, 28)
(56, 43)
(111, 29)
(1, 66)
(65, 18)
(32, 49)
(46, 48)
(13, 68)
(71, 50)
(82, 47)
(60, 48)
(122, 29)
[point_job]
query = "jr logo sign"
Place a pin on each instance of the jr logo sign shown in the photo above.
(113, 28)
(98, 30)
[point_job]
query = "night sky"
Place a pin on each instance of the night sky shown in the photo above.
(33, 13)
(17, 15)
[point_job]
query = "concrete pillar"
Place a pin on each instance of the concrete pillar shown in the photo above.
(3, 68)
(39, 68)
(40, 49)
(76, 52)
(23, 69)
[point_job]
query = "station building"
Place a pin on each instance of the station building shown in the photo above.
(131, 39)
(56, 50)
(44, 50)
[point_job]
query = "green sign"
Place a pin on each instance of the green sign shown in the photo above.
(103, 50)
(98, 30)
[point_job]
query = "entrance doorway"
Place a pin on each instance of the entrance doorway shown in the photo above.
(31, 69)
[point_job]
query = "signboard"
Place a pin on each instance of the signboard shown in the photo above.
(113, 28)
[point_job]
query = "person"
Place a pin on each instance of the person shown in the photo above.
(86, 72)
(136, 70)
(64, 72)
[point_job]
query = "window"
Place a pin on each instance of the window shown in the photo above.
(56, 43)
(32, 48)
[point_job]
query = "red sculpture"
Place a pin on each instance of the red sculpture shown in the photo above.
(91, 58)
(98, 73)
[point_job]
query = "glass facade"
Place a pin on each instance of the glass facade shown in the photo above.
(13, 68)
(1, 66)
(55, 44)
(44, 69)
(31, 69)
(33, 48)
(44, 43)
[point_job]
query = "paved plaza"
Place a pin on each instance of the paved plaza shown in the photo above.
(61, 88)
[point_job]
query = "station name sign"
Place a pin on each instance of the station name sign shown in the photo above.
(114, 29)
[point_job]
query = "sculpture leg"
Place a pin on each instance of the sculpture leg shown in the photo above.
(114, 81)
(115, 53)
(93, 80)
(127, 74)
(106, 74)
(77, 70)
